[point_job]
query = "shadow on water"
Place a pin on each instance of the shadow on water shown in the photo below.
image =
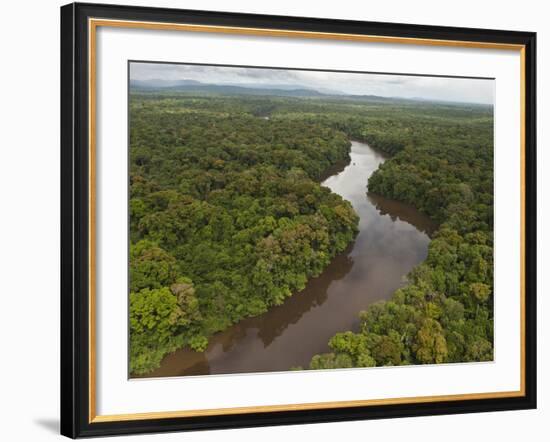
(264, 329)
(404, 212)
(314, 295)
(392, 239)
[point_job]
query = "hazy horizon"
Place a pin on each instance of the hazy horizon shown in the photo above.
(464, 90)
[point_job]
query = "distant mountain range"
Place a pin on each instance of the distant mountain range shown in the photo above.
(281, 90)
(226, 89)
(158, 83)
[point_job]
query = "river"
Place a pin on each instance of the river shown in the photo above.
(392, 239)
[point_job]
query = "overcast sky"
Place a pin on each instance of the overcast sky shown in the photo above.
(434, 88)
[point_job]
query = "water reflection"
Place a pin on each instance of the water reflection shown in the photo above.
(315, 294)
(404, 212)
(392, 239)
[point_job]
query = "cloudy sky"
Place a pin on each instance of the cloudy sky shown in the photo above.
(434, 88)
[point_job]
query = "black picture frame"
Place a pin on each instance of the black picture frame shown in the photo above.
(75, 221)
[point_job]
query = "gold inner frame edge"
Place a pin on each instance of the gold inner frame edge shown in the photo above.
(93, 24)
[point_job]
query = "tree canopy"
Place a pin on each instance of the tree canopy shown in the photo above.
(232, 204)
(443, 165)
(228, 218)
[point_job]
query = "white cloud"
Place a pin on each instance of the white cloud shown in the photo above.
(387, 85)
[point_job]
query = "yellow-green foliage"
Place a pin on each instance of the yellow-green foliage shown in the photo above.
(233, 203)
(443, 165)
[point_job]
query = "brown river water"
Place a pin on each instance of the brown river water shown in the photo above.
(393, 238)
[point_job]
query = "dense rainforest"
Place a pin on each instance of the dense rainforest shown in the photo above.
(228, 218)
(444, 167)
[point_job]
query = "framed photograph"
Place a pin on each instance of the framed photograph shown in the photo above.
(278, 220)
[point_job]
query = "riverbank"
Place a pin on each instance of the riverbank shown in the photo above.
(392, 239)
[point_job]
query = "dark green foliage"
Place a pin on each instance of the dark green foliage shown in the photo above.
(445, 313)
(225, 193)
(150, 266)
(232, 202)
